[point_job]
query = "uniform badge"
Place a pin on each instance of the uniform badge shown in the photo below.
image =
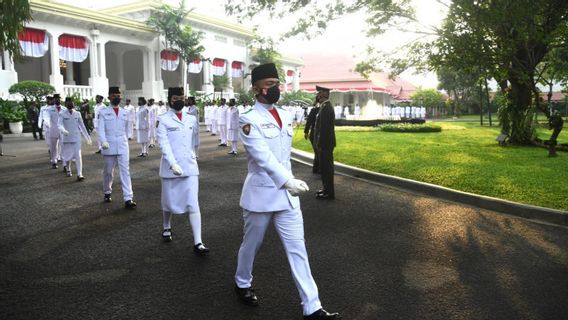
(246, 129)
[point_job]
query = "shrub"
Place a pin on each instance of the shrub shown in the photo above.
(31, 90)
(11, 111)
(407, 127)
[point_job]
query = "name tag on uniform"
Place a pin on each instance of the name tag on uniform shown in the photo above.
(66, 118)
(174, 129)
(267, 125)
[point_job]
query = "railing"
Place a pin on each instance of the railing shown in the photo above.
(85, 92)
(133, 95)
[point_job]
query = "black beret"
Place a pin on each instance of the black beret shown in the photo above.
(264, 71)
(113, 90)
(232, 101)
(174, 91)
(99, 96)
(141, 99)
(68, 99)
(57, 96)
(324, 89)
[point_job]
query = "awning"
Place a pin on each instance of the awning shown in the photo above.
(73, 48)
(218, 66)
(169, 60)
(343, 86)
(237, 68)
(195, 66)
(33, 42)
(289, 76)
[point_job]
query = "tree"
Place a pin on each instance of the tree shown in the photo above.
(288, 97)
(32, 90)
(168, 22)
(503, 40)
(429, 98)
(263, 52)
(15, 13)
(461, 88)
(220, 82)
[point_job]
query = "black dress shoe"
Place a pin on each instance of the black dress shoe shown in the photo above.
(98, 151)
(68, 174)
(129, 204)
(167, 235)
(140, 155)
(65, 169)
(53, 166)
(320, 192)
(322, 314)
(200, 249)
(80, 178)
(324, 196)
(108, 198)
(247, 296)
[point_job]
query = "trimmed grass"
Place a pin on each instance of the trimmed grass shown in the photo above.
(464, 156)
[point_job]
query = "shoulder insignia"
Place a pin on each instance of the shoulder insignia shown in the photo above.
(249, 110)
(246, 129)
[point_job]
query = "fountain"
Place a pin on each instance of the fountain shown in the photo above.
(373, 114)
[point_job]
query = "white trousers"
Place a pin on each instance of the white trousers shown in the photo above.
(108, 174)
(223, 133)
(130, 129)
(72, 151)
(289, 225)
(214, 128)
(54, 149)
(234, 146)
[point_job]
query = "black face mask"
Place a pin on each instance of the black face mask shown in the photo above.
(115, 101)
(57, 103)
(140, 104)
(178, 105)
(272, 94)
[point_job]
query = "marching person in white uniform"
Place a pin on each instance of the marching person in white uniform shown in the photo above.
(53, 135)
(233, 126)
(72, 127)
(42, 121)
(194, 111)
(213, 116)
(131, 118)
(270, 193)
(153, 108)
(142, 126)
(98, 107)
(113, 134)
(221, 116)
(178, 168)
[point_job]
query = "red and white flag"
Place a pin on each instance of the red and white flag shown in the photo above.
(33, 42)
(73, 48)
(237, 68)
(289, 76)
(218, 67)
(169, 60)
(195, 66)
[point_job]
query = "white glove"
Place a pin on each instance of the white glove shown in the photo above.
(105, 145)
(295, 186)
(65, 132)
(89, 142)
(177, 170)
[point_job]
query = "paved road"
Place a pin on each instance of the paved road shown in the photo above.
(376, 252)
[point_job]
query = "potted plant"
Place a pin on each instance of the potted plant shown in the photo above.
(14, 114)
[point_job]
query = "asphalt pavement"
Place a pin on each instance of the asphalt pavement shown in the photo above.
(376, 252)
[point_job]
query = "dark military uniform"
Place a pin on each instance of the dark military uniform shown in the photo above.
(325, 143)
(310, 131)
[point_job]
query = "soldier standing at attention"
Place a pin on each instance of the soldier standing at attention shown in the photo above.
(98, 107)
(112, 131)
(309, 131)
(178, 168)
(142, 126)
(270, 193)
(72, 127)
(325, 143)
(233, 126)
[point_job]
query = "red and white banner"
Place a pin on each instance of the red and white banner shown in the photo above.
(33, 42)
(169, 60)
(289, 76)
(73, 48)
(218, 67)
(195, 66)
(237, 69)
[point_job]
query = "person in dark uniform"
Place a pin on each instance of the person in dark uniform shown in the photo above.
(86, 114)
(33, 118)
(309, 131)
(325, 142)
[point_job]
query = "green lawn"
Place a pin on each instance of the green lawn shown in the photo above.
(464, 157)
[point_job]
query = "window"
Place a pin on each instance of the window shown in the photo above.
(221, 39)
(239, 43)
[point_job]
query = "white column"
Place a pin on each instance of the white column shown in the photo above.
(8, 76)
(207, 86)
(296, 80)
(120, 69)
(183, 67)
(229, 75)
(55, 79)
(69, 73)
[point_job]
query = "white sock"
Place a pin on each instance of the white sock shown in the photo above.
(195, 221)
(167, 222)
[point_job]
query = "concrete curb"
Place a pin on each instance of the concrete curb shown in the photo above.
(558, 217)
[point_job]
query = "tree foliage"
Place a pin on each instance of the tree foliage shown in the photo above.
(180, 37)
(13, 15)
(32, 90)
(263, 52)
(289, 97)
(220, 83)
(429, 98)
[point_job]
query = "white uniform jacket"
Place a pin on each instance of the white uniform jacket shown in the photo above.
(51, 119)
(233, 118)
(269, 166)
(97, 109)
(222, 114)
(143, 118)
(72, 122)
(113, 129)
(176, 143)
(41, 117)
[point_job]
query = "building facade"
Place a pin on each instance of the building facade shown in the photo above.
(82, 51)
